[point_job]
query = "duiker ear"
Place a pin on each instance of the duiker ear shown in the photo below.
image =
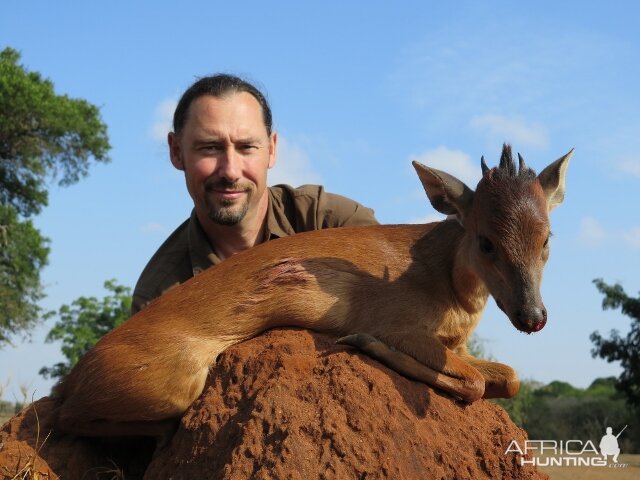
(552, 180)
(446, 193)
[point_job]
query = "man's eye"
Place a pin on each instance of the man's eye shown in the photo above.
(210, 148)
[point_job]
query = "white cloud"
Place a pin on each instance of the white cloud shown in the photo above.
(293, 166)
(454, 162)
(511, 130)
(630, 166)
(591, 232)
(632, 237)
(162, 119)
(455, 72)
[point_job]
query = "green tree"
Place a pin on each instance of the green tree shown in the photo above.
(625, 350)
(603, 387)
(565, 417)
(476, 345)
(43, 137)
(23, 253)
(558, 389)
(560, 411)
(84, 322)
(519, 407)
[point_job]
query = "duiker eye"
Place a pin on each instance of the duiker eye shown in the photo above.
(486, 246)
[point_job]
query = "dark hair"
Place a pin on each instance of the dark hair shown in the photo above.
(218, 86)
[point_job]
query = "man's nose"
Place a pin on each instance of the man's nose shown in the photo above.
(230, 166)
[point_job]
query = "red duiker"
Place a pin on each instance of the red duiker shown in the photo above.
(408, 295)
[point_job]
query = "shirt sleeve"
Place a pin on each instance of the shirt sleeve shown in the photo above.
(338, 211)
(170, 265)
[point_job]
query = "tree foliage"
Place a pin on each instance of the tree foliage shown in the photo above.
(519, 407)
(23, 252)
(560, 411)
(84, 322)
(43, 137)
(624, 349)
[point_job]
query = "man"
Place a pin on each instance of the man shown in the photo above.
(609, 445)
(223, 141)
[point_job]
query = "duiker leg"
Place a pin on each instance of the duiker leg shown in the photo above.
(501, 381)
(440, 368)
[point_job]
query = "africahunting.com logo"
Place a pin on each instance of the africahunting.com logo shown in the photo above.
(570, 453)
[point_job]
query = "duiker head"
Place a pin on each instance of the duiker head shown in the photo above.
(507, 228)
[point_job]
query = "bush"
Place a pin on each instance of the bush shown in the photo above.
(560, 411)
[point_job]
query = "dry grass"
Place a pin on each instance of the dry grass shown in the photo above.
(26, 467)
(5, 415)
(4, 418)
(631, 472)
(29, 470)
(106, 473)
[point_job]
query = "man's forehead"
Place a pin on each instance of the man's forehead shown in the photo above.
(235, 102)
(239, 110)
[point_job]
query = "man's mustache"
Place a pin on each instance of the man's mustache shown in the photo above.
(222, 184)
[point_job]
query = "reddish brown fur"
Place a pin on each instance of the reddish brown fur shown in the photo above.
(418, 288)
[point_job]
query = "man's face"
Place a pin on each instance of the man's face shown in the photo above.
(225, 152)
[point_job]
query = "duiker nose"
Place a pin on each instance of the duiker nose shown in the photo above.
(532, 318)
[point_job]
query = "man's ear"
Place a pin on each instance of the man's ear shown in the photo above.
(552, 180)
(273, 143)
(175, 151)
(446, 193)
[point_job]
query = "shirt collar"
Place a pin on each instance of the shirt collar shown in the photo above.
(200, 252)
(202, 255)
(278, 225)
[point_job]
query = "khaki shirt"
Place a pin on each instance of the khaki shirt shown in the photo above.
(187, 251)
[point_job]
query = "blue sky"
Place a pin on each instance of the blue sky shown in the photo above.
(358, 90)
